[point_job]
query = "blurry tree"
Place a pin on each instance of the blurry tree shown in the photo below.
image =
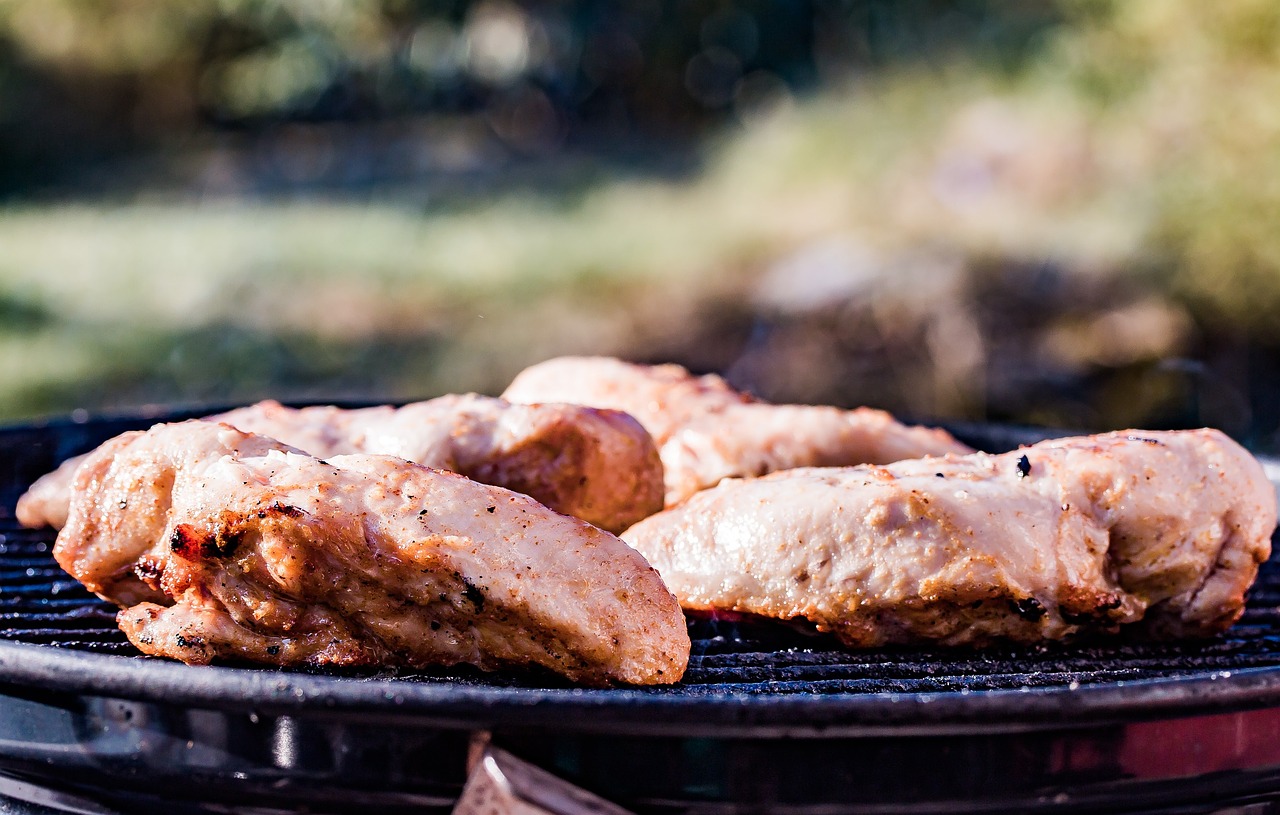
(80, 79)
(1198, 86)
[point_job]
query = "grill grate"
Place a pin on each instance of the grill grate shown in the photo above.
(41, 605)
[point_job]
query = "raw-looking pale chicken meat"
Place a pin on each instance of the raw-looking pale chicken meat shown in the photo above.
(224, 544)
(596, 464)
(1162, 531)
(707, 431)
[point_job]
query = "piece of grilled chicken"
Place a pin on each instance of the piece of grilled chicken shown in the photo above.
(1163, 531)
(223, 544)
(707, 431)
(596, 464)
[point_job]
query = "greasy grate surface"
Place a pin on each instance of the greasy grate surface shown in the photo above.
(41, 605)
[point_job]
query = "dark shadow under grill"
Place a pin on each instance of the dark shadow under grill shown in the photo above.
(40, 604)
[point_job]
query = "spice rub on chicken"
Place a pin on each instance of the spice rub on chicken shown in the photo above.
(1161, 531)
(707, 431)
(596, 464)
(222, 544)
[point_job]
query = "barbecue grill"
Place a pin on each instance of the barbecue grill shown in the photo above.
(769, 718)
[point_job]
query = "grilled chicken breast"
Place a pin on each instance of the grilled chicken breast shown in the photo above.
(223, 544)
(599, 465)
(596, 464)
(1163, 531)
(707, 431)
(46, 502)
(664, 398)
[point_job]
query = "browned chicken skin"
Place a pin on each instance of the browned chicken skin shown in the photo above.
(707, 431)
(223, 544)
(1160, 530)
(596, 464)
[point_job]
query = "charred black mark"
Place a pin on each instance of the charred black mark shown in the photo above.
(1028, 608)
(1024, 467)
(1112, 603)
(939, 475)
(188, 543)
(273, 650)
(472, 593)
(281, 509)
(188, 642)
(225, 544)
(1145, 440)
(435, 625)
(490, 509)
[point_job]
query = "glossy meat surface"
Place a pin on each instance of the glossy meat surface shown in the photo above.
(123, 494)
(1163, 531)
(45, 503)
(752, 439)
(707, 431)
(596, 464)
(664, 398)
(227, 545)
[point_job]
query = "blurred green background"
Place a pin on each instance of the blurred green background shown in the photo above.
(1062, 212)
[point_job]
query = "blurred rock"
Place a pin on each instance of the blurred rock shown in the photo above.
(1142, 331)
(836, 270)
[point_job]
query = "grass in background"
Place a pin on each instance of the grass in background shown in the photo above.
(110, 304)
